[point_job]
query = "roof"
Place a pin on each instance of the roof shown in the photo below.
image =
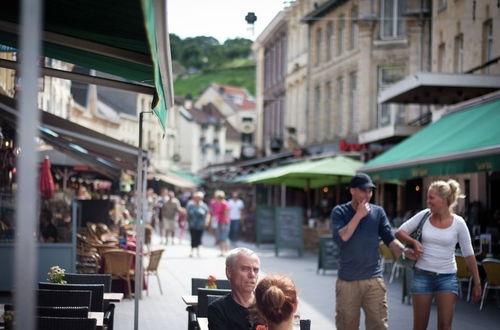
(439, 88)
(460, 142)
(238, 97)
(322, 10)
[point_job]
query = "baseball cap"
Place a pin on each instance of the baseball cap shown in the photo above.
(362, 181)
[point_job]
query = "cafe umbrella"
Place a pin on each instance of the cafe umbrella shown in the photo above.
(46, 180)
(310, 174)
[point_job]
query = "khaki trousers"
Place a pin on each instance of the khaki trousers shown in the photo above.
(368, 294)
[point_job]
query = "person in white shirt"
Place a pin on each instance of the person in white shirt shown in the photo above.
(236, 207)
(435, 270)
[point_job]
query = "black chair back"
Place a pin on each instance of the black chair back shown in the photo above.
(105, 279)
(64, 298)
(305, 324)
(203, 299)
(73, 311)
(197, 283)
(97, 299)
(65, 323)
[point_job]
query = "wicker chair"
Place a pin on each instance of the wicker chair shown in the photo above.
(64, 298)
(389, 258)
(118, 264)
(96, 300)
(152, 268)
(51, 311)
(463, 275)
(492, 268)
(305, 324)
(65, 323)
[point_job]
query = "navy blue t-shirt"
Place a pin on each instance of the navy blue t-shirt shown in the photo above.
(359, 256)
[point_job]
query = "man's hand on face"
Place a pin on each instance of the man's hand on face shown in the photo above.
(363, 208)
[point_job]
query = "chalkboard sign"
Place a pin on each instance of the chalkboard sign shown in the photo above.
(264, 231)
(328, 254)
(288, 229)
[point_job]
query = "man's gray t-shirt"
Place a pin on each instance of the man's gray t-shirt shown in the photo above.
(359, 256)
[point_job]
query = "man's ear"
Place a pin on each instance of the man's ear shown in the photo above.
(228, 273)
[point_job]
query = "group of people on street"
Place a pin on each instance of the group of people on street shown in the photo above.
(358, 227)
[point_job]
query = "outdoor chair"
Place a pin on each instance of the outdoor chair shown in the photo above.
(118, 264)
(197, 283)
(104, 279)
(305, 324)
(87, 262)
(65, 323)
(152, 268)
(463, 275)
(389, 258)
(203, 299)
(64, 298)
(492, 268)
(69, 311)
(96, 299)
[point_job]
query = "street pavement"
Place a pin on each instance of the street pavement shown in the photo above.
(316, 291)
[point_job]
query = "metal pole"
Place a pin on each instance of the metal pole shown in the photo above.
(283, 195)
(139, 222)
(25, 251)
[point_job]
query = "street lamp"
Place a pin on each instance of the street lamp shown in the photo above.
(251, 18)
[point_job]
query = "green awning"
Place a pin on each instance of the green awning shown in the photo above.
(461, 142)
(309, 173)
(128, 39)
(189, 176)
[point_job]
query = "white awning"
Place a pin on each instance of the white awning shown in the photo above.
(439, 88)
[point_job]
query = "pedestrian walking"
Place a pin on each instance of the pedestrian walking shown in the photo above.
(197, 216)
(169, 212)
(357, 226)
(434, 274)
(220, 214)
(236, 207)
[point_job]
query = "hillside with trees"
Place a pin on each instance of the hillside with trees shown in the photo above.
(199, 61)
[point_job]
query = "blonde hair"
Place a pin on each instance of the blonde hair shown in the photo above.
(219, 194)
(276, 297)
(199, 194)
(449, 190)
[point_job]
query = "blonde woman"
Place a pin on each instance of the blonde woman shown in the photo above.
(435, 270)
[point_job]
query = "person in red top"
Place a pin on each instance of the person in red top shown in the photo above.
(220, 213)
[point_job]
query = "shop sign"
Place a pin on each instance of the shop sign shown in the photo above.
(484, 166)
(419, 172)
(344, 146)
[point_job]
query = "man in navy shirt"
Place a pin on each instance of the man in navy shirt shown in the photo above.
(357, 229)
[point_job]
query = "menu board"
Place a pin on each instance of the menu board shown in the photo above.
(289, 229)
(328, 256)
(265, 224)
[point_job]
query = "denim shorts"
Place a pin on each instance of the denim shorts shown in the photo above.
(425, 283)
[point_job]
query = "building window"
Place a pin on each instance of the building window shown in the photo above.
(317, 108)
(459, 53)
(329, 41)
(318, 46)
(441, 57)
(354, 27)
(488, 43)
(341, 35)
(340, 105)
(389, 114)
(328, 109)
(352, 102)
(392, 23)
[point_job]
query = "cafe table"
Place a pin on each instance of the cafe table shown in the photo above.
(203, 323)
(99, 316)
(190, 300)
(113, 296)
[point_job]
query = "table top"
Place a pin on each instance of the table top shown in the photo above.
(203, 323)
(99, 316)
(113, 296)
(190, 300)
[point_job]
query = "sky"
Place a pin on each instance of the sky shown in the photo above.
(221, 19)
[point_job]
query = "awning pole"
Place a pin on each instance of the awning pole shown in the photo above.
(138, 221)
(25, 249)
